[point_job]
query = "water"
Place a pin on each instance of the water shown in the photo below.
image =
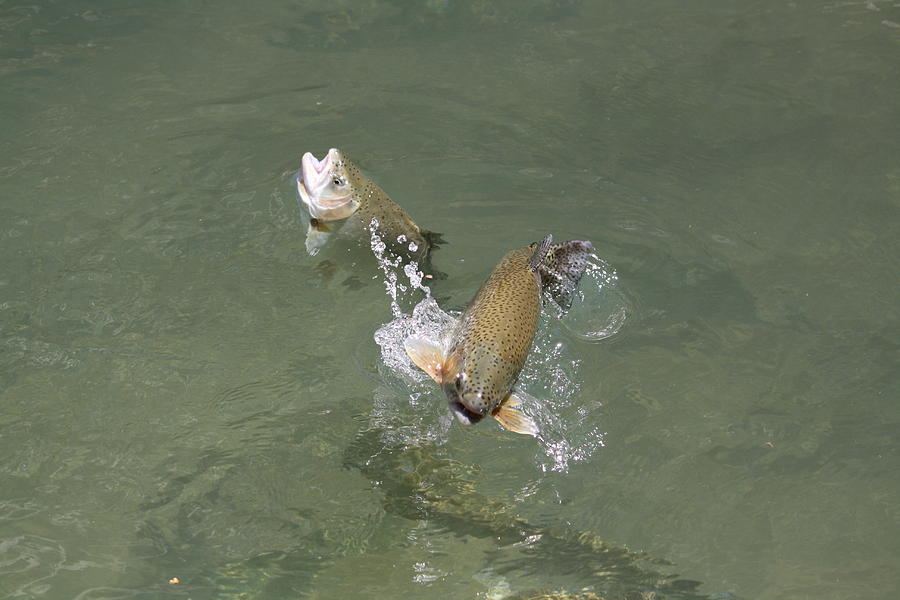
(184, 392)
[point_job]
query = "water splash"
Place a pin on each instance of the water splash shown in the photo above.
(427, 320)
(600, 309)
(565, 412)
(389, 262)
(412, 422)
(424, 417)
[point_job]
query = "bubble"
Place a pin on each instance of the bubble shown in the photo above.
(388, 263)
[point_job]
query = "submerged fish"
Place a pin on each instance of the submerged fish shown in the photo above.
(478, 366)
(339, 198)
(420, 483)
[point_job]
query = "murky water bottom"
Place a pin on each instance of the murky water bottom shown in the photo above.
(185, 392)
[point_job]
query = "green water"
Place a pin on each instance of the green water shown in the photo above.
(184, 392)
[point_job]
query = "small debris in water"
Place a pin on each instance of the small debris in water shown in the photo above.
(174, 581)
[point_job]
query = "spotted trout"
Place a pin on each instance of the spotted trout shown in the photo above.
(339, 198)
(478, 365)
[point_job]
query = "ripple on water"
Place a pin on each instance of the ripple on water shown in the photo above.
(16, 510)
(27, 563)
(600, 308)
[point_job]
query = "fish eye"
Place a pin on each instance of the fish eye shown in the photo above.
(339, 181)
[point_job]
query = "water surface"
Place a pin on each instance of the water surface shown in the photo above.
(185, 393)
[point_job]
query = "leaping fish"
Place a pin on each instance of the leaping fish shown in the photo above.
(478, 365)
(339, 198)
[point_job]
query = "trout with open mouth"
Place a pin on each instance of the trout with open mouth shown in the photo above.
(340, 199)
(477, 366)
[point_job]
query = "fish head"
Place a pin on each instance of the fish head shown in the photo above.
(447, 371)
(325, 186)
(467, 405)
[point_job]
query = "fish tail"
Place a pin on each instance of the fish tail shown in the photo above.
(561, 268)
(432, 241)
(433, 238)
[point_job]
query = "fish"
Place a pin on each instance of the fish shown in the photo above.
(420, 482)
(478, 363)
(339, 198)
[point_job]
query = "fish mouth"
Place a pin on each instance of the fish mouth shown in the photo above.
(314, 172)
(463, 414)
(315, 189)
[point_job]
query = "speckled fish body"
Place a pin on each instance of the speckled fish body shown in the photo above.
(494, 337)
(478, 366)
(340, 198)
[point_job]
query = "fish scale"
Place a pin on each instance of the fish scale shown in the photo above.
(374, 203)
(498, 328)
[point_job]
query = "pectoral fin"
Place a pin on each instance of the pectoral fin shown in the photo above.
(319, 225)
(316, 236)
(509, 414)
(427, 355)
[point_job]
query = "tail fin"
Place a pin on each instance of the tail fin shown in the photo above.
(434, 239)
(562, 268)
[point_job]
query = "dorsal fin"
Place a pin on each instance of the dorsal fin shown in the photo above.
(540, 252)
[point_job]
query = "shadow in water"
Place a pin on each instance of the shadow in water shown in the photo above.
(420, 484)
